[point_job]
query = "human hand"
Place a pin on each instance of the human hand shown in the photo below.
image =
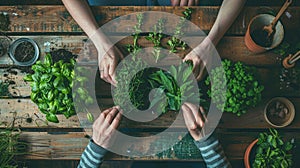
(105, 126)
(202, 56)
(194, 118)
(108, 64)
(185, 2)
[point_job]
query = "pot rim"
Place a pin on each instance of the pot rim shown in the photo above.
(14, 45)
(247, 153)
(289, 105)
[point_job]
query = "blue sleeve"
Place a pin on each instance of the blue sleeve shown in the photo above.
(92, 157)
(212, 152)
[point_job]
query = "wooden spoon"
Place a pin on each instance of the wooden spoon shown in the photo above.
(270, 28)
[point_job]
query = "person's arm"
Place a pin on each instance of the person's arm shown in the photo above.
(82, 14)
(92, 156)
(228, 12)
(212, 152)
(103, 135)
(210, 148)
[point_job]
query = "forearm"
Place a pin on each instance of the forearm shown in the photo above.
(228, 12)
(212, 153)
(82, 14)
(92, 156)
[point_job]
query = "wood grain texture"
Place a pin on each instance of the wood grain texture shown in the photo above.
(70, 145)
(56, 18)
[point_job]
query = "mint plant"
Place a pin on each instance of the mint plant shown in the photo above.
(272, 151)
(243, 90)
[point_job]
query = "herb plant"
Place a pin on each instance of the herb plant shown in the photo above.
(242, 92)
(135, 48)
(10, 146)
(175, 41)
(51, 86)
(155, 37)
(272, 151)
(168, 83)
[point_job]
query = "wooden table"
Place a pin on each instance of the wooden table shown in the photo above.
(52, 144)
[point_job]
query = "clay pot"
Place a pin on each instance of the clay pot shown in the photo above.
(279, 116)
(257, 23)
(248, 152)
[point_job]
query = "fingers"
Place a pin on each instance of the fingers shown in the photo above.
(112, 74)
(184, 2)
(115, 123)
(197, 114)
(175, 2)
(189, 118)
(191, 3)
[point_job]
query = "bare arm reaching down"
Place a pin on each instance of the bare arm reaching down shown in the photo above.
(82, 14)
(228, 12)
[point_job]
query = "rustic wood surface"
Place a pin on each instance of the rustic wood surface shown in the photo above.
(41, 19)
(52, 27)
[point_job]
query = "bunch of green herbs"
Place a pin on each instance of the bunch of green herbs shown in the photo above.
(272, 151)
(242, 89)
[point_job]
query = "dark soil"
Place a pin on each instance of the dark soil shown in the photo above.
(260, 37)
(62, 54)
(278, 113)
(4, 22)
(24, 52)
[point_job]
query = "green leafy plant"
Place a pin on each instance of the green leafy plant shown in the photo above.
(242, 92)
(51, 87)
(176, 84)
(175, 41)
(272, 151)
(155, 37)
(10, 145)
(135, 48)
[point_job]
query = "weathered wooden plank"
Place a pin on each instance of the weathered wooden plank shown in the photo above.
(70, 145)
(57, 19)
(28, 116)
(201, 3)
(231, 47)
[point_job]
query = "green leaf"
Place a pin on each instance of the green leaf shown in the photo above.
(56, 81)
(52, 118)
(90, 117)
(28, 78)
(173, 72)
(48, 60)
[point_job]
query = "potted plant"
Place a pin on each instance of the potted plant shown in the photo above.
(242, 89)
(279, 112)
(269, 150)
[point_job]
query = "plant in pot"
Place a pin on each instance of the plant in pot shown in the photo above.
(242, 89)
(269, 150)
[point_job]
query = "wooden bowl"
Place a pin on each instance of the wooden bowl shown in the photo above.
(275, 120)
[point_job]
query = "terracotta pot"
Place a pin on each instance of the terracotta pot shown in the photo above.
(257, 23)
(288, 118)
(247, 154)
